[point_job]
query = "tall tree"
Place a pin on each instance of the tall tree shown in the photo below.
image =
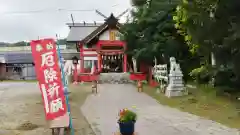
(211, 26)
(151, 33)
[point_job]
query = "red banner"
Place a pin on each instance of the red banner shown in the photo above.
(48, 73)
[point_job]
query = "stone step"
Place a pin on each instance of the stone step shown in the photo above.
(114, 78)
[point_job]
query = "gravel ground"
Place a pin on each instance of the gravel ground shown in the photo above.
(21, 110)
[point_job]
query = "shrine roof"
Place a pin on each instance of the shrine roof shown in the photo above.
(86, 24)
(79, 33)
(85, 32)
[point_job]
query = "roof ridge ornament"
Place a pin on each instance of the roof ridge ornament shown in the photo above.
(112, 15)
(101, 14)
(123, 13)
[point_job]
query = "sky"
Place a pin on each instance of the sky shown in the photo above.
(25, 20)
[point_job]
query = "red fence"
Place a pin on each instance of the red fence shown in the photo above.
(137, 76)
(88, 77)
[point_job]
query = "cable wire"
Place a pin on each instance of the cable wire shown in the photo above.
(47, 11)
(51, 10)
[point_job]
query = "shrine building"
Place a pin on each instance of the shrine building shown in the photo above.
(101, 49)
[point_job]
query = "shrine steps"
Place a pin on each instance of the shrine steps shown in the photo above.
(115, 78)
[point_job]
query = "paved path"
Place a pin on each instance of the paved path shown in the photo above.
(153, 119)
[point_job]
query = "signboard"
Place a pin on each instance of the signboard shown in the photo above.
(114, 35)
(160, 72)
(49, 77)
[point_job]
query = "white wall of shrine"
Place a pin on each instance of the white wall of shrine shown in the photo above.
(106, 35)
(88, 61)
(89, 52)
(69, 67)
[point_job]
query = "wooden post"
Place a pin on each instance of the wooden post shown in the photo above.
(150, 75)
(125, 63)
(99, 63)
(81, 58)
(139, 86)
(82, 65)
(75, 74)
(125, 57)
(99, 57)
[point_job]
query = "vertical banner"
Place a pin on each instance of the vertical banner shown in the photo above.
(48, 73)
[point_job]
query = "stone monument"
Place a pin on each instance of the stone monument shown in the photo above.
(175, 86)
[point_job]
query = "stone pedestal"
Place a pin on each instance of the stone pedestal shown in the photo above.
(175, 87)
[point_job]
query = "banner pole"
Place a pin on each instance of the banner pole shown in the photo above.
(65, 87)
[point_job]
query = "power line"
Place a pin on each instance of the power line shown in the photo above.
(51, 10)
(47, 11)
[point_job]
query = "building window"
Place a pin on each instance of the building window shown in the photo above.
(87, 63)
(9, 67)
(96, 63)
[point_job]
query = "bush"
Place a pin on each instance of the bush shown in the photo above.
(226, 80)
(187, 68)
(202, 75)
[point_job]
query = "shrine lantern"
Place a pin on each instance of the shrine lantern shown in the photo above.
(75, 60)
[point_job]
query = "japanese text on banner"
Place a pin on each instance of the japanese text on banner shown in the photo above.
(49, 77)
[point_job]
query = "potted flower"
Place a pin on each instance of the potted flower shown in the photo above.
(127, 122)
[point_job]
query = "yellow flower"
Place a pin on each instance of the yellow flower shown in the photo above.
(134, 106)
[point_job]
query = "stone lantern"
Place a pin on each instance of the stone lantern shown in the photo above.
(75, 60)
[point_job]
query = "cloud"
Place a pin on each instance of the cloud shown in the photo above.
(28, 19)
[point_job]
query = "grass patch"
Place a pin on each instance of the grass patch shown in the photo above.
(78, 93)
(34, 81)
(27, 126)
(77, 97)
(203, 102)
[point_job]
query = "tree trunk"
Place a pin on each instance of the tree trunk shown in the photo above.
(134, 61)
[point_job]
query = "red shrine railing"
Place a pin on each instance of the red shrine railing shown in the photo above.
(139, 76)
(86, 77)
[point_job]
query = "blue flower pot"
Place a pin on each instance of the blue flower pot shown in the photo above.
(127, 128)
